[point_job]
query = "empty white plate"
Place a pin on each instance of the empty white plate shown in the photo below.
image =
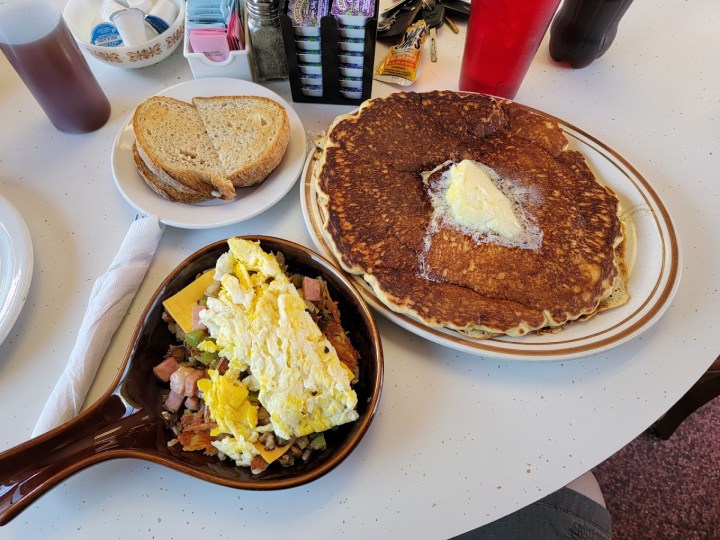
(16, 265)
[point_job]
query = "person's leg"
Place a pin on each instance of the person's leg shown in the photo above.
(575, 512)
(588, 485)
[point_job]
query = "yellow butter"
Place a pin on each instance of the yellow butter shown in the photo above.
(180, 305)
(477, 204)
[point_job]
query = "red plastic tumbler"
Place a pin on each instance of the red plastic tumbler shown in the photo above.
(502, 39)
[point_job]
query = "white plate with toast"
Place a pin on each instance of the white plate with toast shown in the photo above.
(249, 201)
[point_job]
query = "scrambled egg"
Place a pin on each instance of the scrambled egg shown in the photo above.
(234, 414)
(259, 321)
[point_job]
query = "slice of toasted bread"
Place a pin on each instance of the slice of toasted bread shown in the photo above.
(250, 134)
(166, 186)
(173, 143)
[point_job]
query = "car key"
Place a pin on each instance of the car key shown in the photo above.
(434, 15)
(451, 23)
(397, 20)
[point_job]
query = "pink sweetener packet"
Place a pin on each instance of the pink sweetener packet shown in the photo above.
(361, 8)
(306, 12)
(212, 42)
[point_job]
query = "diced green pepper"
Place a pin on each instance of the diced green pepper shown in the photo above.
(286, 460)
(296, 280)
(209, 358)
(318, 442)
(194, 337)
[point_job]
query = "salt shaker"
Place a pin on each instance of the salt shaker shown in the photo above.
(265, 39)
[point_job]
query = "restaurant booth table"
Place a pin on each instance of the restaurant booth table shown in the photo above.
(459, 439)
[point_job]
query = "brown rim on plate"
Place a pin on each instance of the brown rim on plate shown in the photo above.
(555, 347)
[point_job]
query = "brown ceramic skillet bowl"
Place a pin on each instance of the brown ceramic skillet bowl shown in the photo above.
(126, 422)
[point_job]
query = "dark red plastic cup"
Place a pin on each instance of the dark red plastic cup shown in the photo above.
(502, 39)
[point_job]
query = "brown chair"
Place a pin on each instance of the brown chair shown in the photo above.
(706, 389)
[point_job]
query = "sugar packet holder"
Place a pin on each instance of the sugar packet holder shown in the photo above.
(331, 74)
(214, 29)
(236, 65)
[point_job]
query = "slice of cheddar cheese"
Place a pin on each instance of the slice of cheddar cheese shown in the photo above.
(180, 305)
(271, 455)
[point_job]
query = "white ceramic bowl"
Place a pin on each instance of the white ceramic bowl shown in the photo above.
(79, 15)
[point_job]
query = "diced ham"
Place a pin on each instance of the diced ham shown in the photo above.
(311, 289)
(191, 382)
(177, 379)
(166, 368)
(192, 403)
(223, 366)
(197, 324)
(258, 464)
(174, 401)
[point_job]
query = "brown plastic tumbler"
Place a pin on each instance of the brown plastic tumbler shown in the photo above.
(41, 49)
(502, 39)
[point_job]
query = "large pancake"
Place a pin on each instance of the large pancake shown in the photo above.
(382, 219)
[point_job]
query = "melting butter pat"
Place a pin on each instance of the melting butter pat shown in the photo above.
(477, 204)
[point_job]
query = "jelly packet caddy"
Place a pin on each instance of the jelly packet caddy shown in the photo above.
(330, 49)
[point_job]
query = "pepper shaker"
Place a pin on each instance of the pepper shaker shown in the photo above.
(265, 39)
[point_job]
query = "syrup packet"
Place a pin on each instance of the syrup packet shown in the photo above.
(306, 12)
(401, 64)
(357, 8)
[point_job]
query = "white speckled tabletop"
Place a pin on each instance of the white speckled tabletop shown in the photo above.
(459, 440)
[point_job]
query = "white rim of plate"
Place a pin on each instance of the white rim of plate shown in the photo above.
(16, 265)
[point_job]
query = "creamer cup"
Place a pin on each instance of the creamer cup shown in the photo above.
(105, 34)
(352, 44)
(145, 6)
(302, 31)
(162, 15)
(308, 44)
(351, 31)
(310, 58)
(312, 90)
(108, 8)
(351, 83)
(310, 68)
(350, 70)
(131, 25)
(311, 79)
(350, 94)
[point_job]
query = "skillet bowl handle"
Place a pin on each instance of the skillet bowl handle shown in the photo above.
(123, 423)
(29, 470)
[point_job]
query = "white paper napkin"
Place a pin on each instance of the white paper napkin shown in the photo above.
(109, 301)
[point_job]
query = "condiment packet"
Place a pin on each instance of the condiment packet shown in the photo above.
(401, 64)
(355, 8)
(208, 21)
(212, 42)
(306, 12)
(235, 32)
